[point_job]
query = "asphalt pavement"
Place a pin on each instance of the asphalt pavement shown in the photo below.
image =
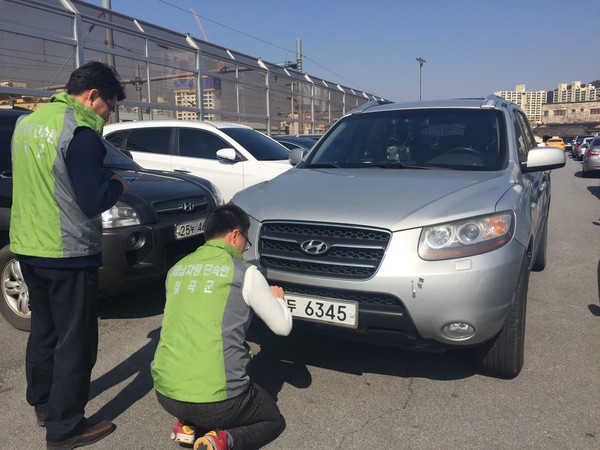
(344, 395)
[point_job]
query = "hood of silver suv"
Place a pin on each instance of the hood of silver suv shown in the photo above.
(393, 199)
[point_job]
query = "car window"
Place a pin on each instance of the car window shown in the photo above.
(7, 126)
(149, 140)
(524, 135)
(453, 138)
(257, 144)
(114, 159)
(200, 143)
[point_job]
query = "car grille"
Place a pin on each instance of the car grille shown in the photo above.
(182, 207)
(363, 298)
(329, 250)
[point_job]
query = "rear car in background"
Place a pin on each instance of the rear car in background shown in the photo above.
(556, 142)
(582, 148)
(577, 145)
(230, 155)
(412, 224)
(591, 158)
(293, 142)
(155, 223)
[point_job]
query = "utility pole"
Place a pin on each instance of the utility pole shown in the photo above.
(421, 61)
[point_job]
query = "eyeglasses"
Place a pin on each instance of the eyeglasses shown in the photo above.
(112, 108)
(248, 243)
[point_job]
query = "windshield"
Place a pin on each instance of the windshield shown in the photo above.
(464, 139)
(114, 159)
(259, 145)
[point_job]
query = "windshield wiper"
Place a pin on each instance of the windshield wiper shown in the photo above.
(399, 165)
(324, 166)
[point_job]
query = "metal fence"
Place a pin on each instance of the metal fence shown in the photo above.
(166, 74)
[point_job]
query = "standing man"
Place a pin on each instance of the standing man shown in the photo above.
(199, 369)
(60, 189)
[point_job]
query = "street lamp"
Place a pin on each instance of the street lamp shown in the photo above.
(421, 61)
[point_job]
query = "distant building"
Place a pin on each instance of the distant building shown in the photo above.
(576, 92)
(531, 102)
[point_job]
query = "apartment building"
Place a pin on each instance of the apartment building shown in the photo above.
(531, 102)
(575, 92)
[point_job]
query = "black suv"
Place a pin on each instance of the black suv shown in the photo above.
(156, 222)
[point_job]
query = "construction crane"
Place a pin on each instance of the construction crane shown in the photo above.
(199, 25)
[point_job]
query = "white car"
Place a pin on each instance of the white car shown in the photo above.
(230, 155)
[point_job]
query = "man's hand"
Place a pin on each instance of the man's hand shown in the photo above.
(277, 291)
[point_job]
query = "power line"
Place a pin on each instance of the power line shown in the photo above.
(261, 40)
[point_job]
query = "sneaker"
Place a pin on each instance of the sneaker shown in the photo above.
(183, 433)
(213, 440)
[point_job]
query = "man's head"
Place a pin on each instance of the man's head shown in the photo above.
(229, 223)
(97, 86)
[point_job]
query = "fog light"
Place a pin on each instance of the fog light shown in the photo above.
(135, 240)
(458, 331)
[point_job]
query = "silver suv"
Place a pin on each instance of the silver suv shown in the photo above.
(414, 225)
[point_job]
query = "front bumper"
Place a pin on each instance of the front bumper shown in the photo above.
(139, 255)
(409, 301)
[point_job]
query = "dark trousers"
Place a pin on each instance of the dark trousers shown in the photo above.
(252, 419)
(62, 346)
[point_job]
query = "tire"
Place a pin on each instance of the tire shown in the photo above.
(539, 263)
(14, 304)
(503, 356)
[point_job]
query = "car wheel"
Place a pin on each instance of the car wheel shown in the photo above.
(14, 304)
(503, 356)
(539, 263)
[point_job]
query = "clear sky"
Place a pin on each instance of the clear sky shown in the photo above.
(471, 47)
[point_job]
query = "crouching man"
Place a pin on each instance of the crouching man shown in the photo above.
(200, 366)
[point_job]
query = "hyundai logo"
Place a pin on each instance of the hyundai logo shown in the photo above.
(187, 206)
(314, 247)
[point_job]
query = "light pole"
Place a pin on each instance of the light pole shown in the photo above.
(421, 62)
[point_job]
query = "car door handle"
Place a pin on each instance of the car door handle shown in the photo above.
(182, 170)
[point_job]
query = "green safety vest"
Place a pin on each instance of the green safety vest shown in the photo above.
(45, 218)
(201, 356)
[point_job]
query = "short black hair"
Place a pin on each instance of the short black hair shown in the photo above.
(224, 219)
(96, 75)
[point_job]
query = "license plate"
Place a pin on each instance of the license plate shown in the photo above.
(334, 312)
(189, 229)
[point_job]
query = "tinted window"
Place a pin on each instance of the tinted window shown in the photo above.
(257, 144)
(453, 138)
(200, 143)
(149, 140)
(7, 126)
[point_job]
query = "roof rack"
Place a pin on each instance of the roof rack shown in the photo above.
(368, 105)
(490, 101)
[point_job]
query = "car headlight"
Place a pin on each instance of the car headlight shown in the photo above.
(120, 216)
(466, 237)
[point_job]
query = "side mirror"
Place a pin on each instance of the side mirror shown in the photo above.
(227, 154)
(544, 158)
(296, 155)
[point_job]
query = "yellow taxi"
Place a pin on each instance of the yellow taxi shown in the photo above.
(556, 142)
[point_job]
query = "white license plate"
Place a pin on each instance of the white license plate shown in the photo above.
(321, 310)
(189, 229)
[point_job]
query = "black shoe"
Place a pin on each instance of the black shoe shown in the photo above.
(93, 434)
